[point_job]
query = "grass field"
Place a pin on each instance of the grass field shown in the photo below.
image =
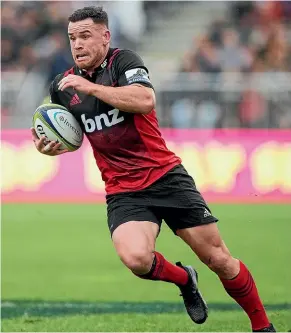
(60, 272)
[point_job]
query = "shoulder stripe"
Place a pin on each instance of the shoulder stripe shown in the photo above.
(114, 54)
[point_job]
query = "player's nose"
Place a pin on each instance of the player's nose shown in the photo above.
(78, 45)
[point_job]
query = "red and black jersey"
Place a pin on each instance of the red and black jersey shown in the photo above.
(128, 147)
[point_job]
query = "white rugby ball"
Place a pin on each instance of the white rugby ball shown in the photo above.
(56, 123)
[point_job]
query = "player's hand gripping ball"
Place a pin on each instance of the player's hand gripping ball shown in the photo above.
(55, 130)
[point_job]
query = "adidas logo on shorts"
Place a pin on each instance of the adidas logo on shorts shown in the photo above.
(206, 213)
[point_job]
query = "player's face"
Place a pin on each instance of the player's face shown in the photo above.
(89, 42)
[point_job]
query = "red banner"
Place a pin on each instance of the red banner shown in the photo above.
(227, 165)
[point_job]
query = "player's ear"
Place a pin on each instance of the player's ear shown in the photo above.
(106, 37)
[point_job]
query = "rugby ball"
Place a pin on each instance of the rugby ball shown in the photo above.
(56, 123)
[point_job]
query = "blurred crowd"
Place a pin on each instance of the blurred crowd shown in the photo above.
(255, 38)
(34, 33)
(35, 47)
(33, 36)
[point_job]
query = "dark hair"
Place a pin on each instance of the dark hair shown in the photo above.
(97, 14)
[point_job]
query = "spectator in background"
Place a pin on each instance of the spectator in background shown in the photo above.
(182, 113)
(61, 58)
(8, 15)
(241, 13)
(31, 25)
(276, 50)
(8, 52)
(207, 57)
(268, 11)
(253, 109)
(10, 43)
(232, 56)
(27, 58)
(215, 33)
(202, 57)
(189, 64)
(208, 114)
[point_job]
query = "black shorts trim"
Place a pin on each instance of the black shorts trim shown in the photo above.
(121, 214)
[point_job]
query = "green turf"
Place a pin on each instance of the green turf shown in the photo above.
(60, 272)
(218, 322)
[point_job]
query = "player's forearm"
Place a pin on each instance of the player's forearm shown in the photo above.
(135, 99)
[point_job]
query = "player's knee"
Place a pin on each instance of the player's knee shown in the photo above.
(139, 261)
(218, 260)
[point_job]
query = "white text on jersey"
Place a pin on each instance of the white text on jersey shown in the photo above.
(92, 124)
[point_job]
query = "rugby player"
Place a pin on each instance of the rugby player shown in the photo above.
(110, 93)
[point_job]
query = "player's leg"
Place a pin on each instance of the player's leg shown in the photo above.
(134, 242)
(161, 197)
(134, 229)
(206, 242)
(187, 214)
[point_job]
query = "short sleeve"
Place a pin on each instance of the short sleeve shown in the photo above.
(129, 68)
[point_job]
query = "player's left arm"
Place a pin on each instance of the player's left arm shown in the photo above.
(134, 93)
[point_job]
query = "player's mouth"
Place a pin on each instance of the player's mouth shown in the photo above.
(82, 57)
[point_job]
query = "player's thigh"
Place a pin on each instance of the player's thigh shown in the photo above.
(205, 240)
(134, 242)
(192, 220)
(133, 227)
(135, 239)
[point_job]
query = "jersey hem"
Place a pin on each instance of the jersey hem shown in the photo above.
(149, 183)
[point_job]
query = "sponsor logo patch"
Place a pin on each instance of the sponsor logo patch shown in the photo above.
(103, 120)
(137, 75)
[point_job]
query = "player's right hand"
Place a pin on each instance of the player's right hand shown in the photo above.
(51, 149)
